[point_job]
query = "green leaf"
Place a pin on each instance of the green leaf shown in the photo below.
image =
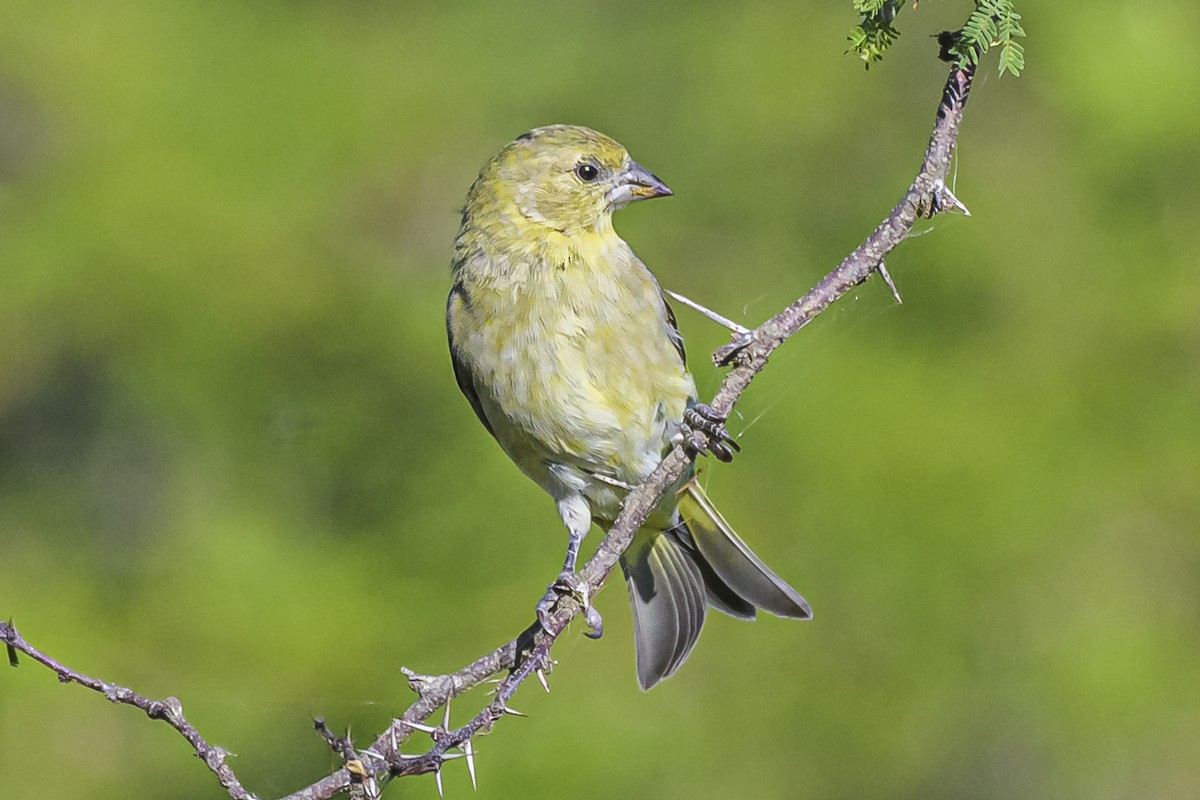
(993, 23)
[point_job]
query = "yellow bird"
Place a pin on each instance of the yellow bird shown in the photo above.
(564, 345)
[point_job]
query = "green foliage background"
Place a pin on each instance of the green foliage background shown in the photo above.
(234, 465)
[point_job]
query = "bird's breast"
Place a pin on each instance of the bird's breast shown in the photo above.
(577, 353)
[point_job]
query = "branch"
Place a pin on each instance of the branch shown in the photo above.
(529, 653)
(169, 710)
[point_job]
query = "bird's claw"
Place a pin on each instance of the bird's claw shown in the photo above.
(568, 584)
(701, 417)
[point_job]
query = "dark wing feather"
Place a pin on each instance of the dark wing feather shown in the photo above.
(676, 336)
(462, 373)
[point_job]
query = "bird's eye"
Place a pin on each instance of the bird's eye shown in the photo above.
(587, 172)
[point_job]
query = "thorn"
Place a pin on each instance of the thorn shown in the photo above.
(469, 752)
(542, 677)
(887, 278)
(714, 316)
(944, 191)
(446, 715)
(373, 754)
(419, 726)
(395, 744)
(612, 481)
(437, 776)
(451, 756)
(510, 710)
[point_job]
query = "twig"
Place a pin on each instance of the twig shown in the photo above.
(169, 710)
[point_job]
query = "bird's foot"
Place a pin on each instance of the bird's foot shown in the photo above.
(701, 417)
(568, 584)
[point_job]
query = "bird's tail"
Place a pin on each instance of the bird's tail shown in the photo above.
(673, 574)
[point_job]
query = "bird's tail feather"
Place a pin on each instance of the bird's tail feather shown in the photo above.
(733, 561)
(671, 574)
(666, 592)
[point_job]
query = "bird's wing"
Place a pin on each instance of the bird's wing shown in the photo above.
(462, 372)
(676, 336)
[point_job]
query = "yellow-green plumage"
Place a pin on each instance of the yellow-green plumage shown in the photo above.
(563, 343)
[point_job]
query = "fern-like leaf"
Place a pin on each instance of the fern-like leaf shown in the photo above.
(993, 23)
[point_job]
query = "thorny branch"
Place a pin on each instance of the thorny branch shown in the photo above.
(528, 654)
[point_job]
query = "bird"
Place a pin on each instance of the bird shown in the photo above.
(565, 346)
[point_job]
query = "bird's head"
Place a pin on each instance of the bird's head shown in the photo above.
(565, 177)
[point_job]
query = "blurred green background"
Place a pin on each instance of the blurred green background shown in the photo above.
(235, 467)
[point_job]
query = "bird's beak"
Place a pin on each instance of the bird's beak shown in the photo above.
(636, 183)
